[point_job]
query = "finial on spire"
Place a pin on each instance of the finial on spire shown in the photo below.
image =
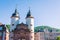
(16, 8)
(29, 10)
(29, 7)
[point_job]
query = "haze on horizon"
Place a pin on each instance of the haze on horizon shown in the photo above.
(45, 12)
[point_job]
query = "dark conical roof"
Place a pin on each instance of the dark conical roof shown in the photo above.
(15, 14)
(29, 14)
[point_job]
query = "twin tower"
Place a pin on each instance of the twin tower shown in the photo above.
(29, 21)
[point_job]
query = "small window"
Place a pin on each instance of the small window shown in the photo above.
(0, 28)
(11, 37)
(0, 33)
(31, 37)
(31, 30)
(12, 24)
(35, 33)
(30, 24)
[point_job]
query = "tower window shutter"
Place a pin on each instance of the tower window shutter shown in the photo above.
(30, 24)
(12, 24)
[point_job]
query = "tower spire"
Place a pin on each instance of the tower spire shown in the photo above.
(14, 19)
(29, 14)
(16, 13)
(30, 23)
(16, 6)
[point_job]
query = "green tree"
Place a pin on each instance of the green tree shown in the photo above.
(58, 38)
(8, 26)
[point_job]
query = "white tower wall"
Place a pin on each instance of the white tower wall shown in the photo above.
(14, 22)
(30, 23)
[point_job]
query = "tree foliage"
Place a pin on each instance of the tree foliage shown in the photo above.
(58, 38)
(8, 26)
(43, 27)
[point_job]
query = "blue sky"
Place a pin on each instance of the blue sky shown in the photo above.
(45, 12)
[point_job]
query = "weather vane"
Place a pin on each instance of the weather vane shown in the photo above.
(16, 6)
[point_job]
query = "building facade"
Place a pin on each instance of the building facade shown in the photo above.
(4, 35)
(46, 35)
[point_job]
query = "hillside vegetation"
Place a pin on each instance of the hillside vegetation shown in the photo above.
(43, 27)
